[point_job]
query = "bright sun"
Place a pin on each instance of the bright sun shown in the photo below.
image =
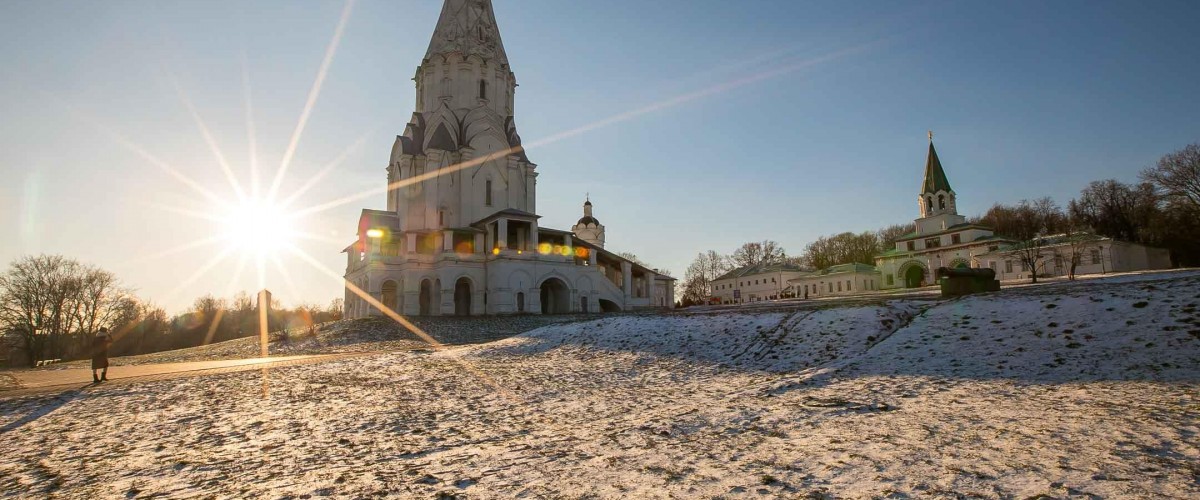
(258, 228)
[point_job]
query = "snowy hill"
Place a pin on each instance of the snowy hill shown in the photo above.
(1120, 330)
(1072, 390)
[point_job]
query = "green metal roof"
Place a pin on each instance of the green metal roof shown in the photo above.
(848, 268)
(760, 269)
(935, 177)
(893, 251)
(957, 227)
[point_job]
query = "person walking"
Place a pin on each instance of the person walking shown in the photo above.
(100, 355)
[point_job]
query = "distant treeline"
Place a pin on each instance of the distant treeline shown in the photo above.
(51, 306)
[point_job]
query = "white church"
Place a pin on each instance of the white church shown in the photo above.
(460, 235)
(940, 237)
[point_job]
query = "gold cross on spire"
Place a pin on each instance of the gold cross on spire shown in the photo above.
(930, 136)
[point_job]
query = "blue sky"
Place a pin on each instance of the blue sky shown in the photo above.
(814, 122)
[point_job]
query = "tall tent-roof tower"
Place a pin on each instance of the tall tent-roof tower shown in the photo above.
(936, 197)
(935, 176)
(468, 27)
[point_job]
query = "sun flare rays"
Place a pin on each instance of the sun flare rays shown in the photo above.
(260, 224)
(313, 94)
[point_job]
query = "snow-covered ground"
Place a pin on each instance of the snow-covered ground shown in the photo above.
(1067, 391)
(359, 335)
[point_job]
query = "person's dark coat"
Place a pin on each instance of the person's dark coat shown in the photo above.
(100, 351)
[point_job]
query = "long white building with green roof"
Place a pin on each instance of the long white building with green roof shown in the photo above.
(842, 279)
(940, 237)
(754, 283)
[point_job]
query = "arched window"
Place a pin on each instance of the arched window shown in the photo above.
(928, 203)
(487, 193)
(483, 89)
(941, 202)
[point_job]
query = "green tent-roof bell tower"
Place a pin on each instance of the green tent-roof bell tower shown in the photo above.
(939, 209)
(936, 197)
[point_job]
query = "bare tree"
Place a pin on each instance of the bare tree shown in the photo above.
(335, 309)
(696, 286)
(1074, 242)
(1118, 210)
(1029, 222)
(843, 248)
(56, 303)
(888, 236)
(1177, 176)
(754, 253)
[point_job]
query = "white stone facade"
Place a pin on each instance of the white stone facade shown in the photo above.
(754, 283)
(1099, 256)
(845, 279)
(460, 234)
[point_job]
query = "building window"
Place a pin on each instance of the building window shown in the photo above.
(941, 202)
(487, 193)
(890, 280)
(1008, 266)
(933, 242)
(848, 283)
(912, 245)
(992, 265)
(1024, 266)
(1095, 256)
(839, 286)
(441, 217)
(955, 239)
(483, 89)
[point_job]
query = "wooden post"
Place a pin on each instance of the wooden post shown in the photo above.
(264, 309)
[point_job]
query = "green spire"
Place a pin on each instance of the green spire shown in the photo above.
(935, 177)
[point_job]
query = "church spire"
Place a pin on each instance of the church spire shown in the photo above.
(935, 177)
(469, 28)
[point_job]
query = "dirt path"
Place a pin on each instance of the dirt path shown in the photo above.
(32, 382)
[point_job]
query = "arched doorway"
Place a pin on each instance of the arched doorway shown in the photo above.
(914, 277)
(609, 306)
(462, 297)
(426, 297)
(390, 296)
(556, 297)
